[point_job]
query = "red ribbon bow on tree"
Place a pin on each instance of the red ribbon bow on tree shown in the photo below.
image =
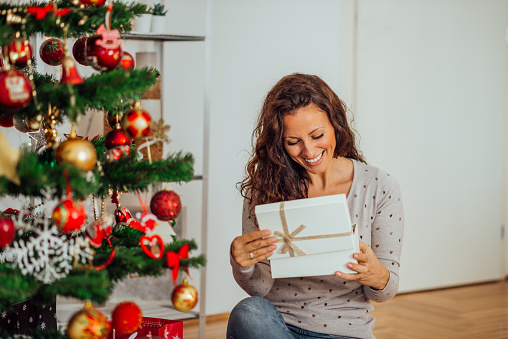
(41, 12)
(174, 258)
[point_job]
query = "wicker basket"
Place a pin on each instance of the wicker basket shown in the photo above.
(154, 92)
(156, 149)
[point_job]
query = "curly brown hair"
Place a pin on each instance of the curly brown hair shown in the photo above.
(271, 174)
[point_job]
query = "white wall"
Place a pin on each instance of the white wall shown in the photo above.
(254, 44)
(430, 110)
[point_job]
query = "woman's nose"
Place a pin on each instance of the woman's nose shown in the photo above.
(307, 149)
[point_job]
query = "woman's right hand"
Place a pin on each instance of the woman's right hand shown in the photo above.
(253, 247)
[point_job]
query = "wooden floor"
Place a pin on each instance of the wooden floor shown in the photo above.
(472, 312)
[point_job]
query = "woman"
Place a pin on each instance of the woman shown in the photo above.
(305, 148)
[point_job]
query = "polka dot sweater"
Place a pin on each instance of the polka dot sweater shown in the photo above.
(327, 304)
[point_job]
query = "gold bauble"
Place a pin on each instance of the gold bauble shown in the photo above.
(184, 297)
(88, 323)
(78, 152)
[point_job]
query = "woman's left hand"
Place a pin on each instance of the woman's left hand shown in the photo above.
(370, 271)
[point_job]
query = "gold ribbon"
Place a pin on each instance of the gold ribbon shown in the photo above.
(289, 238)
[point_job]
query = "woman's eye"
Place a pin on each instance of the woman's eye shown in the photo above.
(318, 136)
(292, 143)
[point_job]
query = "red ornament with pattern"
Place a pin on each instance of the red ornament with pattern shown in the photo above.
(18, 51)
(52, 52)
(69, 215)
(136, 122)
(15, 89)
(103, 51)
(166, 205)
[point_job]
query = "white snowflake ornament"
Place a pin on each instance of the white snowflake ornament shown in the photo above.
(48, 256)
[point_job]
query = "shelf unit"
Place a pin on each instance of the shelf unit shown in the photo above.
(201, 314)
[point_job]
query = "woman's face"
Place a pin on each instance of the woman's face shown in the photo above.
(309, 138)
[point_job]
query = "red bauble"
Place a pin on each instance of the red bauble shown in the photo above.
(18, 51)
(69, 215)
(126, 317)
(78, 51)
(115, 138)
(101, 58)
(15, 89)
(166, 205)
(52, 52)
(127, 62)
(136, 122)
(6, 120)
(7, 231)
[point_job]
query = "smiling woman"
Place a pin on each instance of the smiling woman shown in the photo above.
(305, 148)
(273, 173)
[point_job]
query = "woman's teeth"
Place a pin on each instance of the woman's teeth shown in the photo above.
(315, 159)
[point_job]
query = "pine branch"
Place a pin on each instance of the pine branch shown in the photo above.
(80, 284)
(93, 15)
(128, 174)
(15, 287)
(37, 174)
(110, 91)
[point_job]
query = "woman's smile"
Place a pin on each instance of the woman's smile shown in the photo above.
(315, 160)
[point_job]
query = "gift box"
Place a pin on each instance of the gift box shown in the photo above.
(316, 236)
(26, 316)
(168, 329)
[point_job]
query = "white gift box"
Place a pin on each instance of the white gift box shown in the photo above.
(315, 236)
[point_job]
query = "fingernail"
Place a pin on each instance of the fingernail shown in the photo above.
(337, 274)
(273, 247)
(350, 265)
(355, 256)
(274, 239)
(267, 232)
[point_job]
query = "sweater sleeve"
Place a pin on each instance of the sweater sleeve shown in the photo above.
(387, 234)
(256, 280)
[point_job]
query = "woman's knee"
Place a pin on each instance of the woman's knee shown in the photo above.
(252, 317)
(253, 307)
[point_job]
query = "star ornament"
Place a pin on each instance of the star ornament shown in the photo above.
(9, 158)
(159, 130)
(39, 137)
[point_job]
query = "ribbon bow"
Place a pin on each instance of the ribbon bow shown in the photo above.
(173, 260)
(289, 238)
(41, 12)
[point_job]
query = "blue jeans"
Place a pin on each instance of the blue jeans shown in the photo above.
(257, 318)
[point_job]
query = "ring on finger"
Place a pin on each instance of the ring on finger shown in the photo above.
(251, 255)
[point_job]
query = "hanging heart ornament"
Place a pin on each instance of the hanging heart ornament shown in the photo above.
(153, 246)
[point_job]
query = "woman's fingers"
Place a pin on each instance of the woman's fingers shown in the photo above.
(369, 271)
(253, 247)
(357, 267)
(360, 257)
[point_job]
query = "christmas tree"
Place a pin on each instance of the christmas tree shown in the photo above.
(63, 242)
